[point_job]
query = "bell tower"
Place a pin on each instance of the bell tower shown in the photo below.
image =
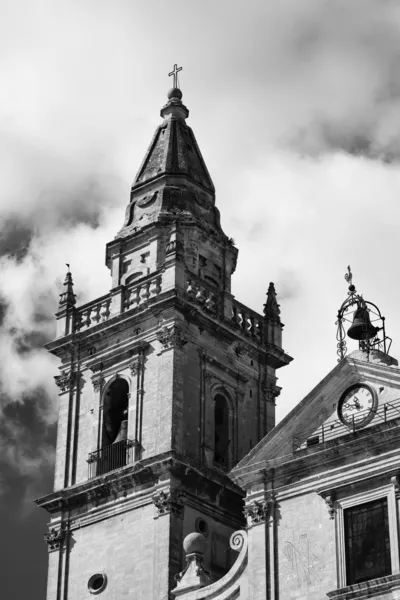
(166, 382)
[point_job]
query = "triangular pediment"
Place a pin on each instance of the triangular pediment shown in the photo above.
(316, 420)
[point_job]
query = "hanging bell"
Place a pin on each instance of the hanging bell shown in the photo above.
(123, 429)
(362, 328)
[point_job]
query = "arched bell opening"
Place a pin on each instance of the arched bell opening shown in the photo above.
(222, 438)
(114, 445)
(115, 412)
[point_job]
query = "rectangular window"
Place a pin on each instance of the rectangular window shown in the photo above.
(367, 541)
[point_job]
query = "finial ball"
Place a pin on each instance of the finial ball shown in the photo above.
(174, 93)
(194, 542)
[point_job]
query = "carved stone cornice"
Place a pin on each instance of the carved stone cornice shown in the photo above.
(171, 337)
(168, 502)
(55, 537)
(224, 367)
(97, 489)
(67, 380)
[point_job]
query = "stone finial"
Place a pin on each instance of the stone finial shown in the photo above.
(68, 298)
(271, 307)
(194, 576)
(174, 106)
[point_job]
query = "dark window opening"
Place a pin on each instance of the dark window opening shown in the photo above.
(221, 428)
(313, 441)
(115, 412)
(202, 261)
(367, 541)
(114, 448)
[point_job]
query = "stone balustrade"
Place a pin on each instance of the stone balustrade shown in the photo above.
(248, 320)
(198, 291)
(93, 313)
(141, 292)
(100, 310)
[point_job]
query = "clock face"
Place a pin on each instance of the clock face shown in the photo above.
(357, 405)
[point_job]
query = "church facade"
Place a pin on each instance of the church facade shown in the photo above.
(171, 478)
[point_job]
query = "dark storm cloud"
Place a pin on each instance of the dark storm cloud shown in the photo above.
(15, 238)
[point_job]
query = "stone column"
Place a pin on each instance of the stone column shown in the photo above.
(256, 513)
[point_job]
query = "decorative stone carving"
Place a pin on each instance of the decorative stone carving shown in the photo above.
(239, 349)
(395, 480)
(194, 576)
(229, 586)
(208, 376)
(97, 381)
(271, 391)
(167, 502)
(136, 365)
(329, 497)
(54, 538)
(256, 512)
(171, 337)
(259, 511)
(66, 380)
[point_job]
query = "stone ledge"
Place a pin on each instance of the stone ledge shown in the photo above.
(368, 589)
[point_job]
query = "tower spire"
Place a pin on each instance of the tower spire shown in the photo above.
(68, 298)
(271, 307)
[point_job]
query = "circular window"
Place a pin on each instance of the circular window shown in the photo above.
(202, 527)
(97, 583)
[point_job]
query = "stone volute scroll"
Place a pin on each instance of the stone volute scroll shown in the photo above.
(193, 583)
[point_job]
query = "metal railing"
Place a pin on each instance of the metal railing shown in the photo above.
(109, 458)
(335, 429)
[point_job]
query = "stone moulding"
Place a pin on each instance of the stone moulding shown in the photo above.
(228, 587)
(369, 589)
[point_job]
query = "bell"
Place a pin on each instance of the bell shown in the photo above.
(122, 433)
(362, 328)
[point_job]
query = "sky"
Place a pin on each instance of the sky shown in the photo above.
(295, 105)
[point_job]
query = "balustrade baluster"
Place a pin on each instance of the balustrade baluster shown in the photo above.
(96, 313)
(144, 292)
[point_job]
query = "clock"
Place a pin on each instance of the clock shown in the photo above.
(357, 405)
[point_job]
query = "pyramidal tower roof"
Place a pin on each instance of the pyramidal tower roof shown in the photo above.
(173, 178)
(173, 150)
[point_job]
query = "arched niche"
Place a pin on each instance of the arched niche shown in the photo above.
(115, 411)
(223, 439)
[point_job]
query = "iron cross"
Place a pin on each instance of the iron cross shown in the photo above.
(175, 74)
